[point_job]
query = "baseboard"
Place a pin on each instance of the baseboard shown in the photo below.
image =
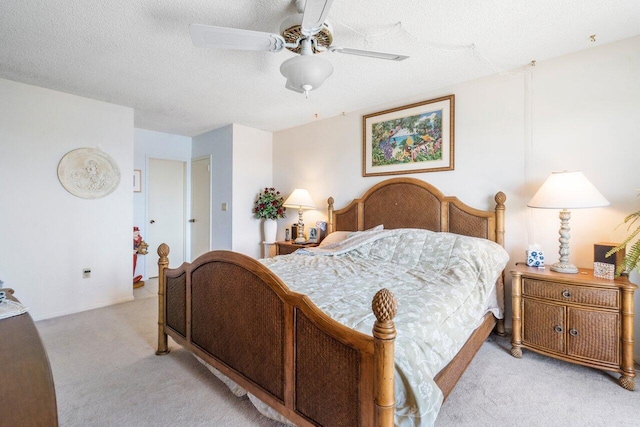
(81, 309)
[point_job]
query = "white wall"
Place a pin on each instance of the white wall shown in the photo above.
(241, 166)
(252, 172)
(49, 235)
(219, 144)
(580, 111)
(153, 145)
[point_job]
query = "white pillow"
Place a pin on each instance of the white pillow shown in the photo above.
(376, 228)
(335, 237)
(339, 236)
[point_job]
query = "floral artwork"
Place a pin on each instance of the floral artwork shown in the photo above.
(414, 138)
(409, 139)
(269, 205)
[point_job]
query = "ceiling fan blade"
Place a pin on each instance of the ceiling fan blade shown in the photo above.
(315, 13)
(233, 38)
(369, 53)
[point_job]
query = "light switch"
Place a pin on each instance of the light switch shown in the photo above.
(224, 207)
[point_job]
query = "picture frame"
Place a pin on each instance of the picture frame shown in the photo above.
(137, 181)
(413, 138)
(314, 235)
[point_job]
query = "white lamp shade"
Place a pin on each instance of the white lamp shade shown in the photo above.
(567, 190)
(300, 199)
(305, 72)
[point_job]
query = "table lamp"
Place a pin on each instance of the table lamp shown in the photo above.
(300, 199)
(566, 190)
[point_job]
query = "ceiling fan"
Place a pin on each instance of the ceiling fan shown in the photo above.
(306, 33)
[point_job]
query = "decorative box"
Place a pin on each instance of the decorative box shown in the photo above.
(535, 258)
(604, 267)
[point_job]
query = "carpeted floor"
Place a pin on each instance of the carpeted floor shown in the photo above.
(106, 374)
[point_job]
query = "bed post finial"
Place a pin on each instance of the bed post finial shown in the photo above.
(163, 263)
(330, 216)
(385, 307)
(163, 253)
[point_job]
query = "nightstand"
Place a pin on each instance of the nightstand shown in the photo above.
(578, 318)
(268, 249)
(284, 248)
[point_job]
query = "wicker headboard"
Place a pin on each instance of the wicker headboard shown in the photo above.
(411, 203)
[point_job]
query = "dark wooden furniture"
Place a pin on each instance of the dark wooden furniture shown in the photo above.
(234, 313)
(578, 318)
(285, 248)
(26, 384)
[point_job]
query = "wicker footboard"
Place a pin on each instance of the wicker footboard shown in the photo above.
(239, 317)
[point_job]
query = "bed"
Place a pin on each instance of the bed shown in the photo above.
(239, 317)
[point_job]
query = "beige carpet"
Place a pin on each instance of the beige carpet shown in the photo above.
(106, 374)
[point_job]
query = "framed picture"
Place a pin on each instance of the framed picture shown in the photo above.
(137, 181)
(314, 235)
(410, 139)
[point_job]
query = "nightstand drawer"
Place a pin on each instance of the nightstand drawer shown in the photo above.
(286, 249)
(608, 298)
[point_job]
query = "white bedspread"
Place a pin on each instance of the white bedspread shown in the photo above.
(443, 283)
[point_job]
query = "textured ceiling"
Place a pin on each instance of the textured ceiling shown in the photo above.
(138, 53)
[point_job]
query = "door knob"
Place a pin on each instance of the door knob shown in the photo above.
(192, 220)
(152, 221)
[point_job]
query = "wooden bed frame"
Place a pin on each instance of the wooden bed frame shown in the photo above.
(239, 317)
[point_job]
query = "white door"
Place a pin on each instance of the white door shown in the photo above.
(200, 222)
(166, 212)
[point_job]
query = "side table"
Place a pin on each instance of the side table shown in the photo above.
(578, 318)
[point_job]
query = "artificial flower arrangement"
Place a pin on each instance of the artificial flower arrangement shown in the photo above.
(269, 205)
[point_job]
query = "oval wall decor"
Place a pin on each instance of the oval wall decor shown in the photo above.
(88, 173)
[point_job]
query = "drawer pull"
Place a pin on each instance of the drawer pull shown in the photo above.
(558, 329)
(566, 294)
(573, 332)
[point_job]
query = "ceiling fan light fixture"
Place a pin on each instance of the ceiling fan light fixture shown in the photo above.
(306, 72)
(291, 31)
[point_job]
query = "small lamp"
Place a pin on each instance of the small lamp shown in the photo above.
(300, 199)
(566, 190)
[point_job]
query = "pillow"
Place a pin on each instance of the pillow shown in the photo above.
(339, 236)
(376, 228)
(335, 237)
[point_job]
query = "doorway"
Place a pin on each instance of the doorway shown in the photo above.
(166, 214)
(200, 222)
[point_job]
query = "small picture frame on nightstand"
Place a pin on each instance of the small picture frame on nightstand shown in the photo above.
(314, 235)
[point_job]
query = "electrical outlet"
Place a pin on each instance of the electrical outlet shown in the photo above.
(86, 273)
